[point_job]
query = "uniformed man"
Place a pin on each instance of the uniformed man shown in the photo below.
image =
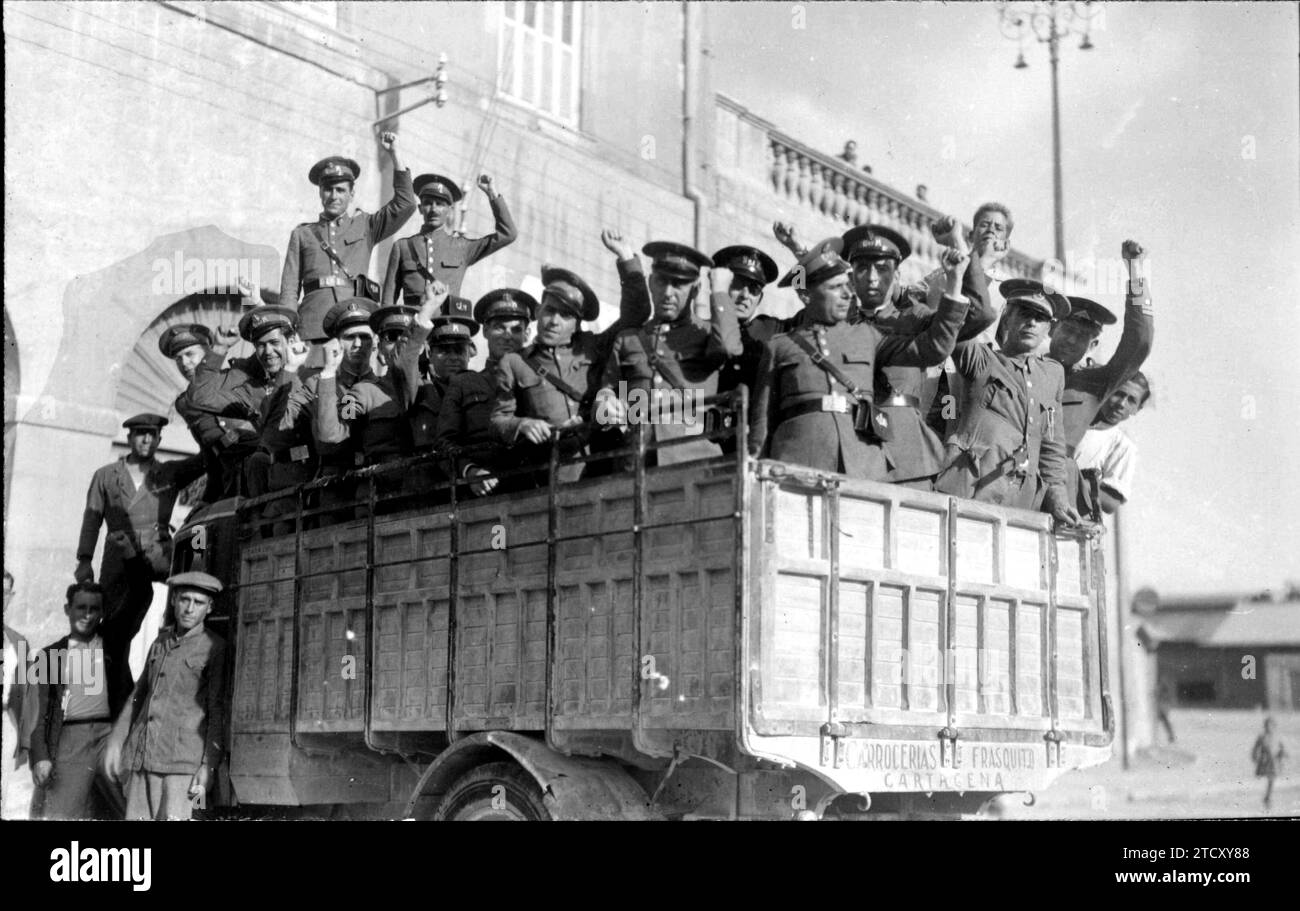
(451, 345)
(551, 385)
(814, 396)
(376, 411)
(1009, 447)
(286, 453)
(326, 257)
(437, 252)
(224, 442)
(752, 270)
(1089, 385)
(347, 361)
(915, 450)
(465, 418)
(135, 494)
(668, 366)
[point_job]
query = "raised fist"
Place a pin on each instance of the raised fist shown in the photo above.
(388, 139)
(298, 352)
(333, 354)
(1132, 250)
(485, 184)
(719, 278)
(435, 292)
(614, 243)
(945, 231)
(227, 336)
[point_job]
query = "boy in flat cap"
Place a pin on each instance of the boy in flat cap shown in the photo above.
(915, 451)
(552, 384)
(465, 417)
(326, 257)
(1009, 447)
(1089, 385)
(436, 252)
(136, 495)
(814, 401)
(170, 735)
(675, 354)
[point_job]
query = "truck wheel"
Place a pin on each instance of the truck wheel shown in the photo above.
(496, 791)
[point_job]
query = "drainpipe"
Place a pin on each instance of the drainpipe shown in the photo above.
(691, 27)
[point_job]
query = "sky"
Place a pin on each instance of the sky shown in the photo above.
(1180, 129)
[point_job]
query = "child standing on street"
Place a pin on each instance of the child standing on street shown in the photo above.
(1267, 754)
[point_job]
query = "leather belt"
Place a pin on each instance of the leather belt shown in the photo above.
(328, 281)
(818, 406)
(899, 400)
(293, 454)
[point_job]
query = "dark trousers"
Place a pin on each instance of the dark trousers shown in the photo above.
(78, 787)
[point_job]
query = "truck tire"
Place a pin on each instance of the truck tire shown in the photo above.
(496, 791)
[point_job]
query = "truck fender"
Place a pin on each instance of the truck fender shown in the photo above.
(572, 787)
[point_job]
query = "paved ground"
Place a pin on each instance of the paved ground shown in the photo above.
(1207, 772)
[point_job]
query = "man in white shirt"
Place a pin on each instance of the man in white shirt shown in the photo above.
(1107, 450)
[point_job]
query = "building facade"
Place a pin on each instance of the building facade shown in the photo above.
(157, 152)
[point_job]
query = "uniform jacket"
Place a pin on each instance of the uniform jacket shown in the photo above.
(175, 720)
(216, 434)
(376, 411)
(425, 410)
(353, 237)
(465, 418)
(320, 403)
(916, 451)
(1011, 402)
(445, 255)
(827, 440)
(145, 512)
(1088, 387)
(686, 354)
(116, 632)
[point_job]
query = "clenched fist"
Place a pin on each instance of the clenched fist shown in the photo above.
(485, 184)
(388, 140)
(614, 243)
(1132, 250)
(333, 355)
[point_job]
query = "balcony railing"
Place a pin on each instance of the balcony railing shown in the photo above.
(812, 187)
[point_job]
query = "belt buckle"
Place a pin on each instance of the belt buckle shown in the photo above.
(834, 401)
(299, 453)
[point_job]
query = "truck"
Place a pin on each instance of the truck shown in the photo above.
(732, 638)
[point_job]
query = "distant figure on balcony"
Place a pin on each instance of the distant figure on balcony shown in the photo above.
(850, 153)
(814, 401)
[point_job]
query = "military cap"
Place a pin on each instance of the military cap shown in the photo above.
(677, 260)
(823, 261)
(1030, 293)
(202, 581)
(257, 321)
(177, 338)
(455, 324)
(396, 316)
(355, 311)
(438, 186)
(333, 169)
(505, 303)
(749, 262)
(146, 421)
(875, 242)
(1091, 312)
(569, 293)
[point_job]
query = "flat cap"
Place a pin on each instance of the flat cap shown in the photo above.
(177, 338)
(823, 261)
(440, 187)
(505, 303)
(1089, 311)
(750, 262)
(145, 421)
(395, 316)
(258, 321)
(355, 311)
(333, 169)
(569, 293)
(202, 581)
(875, 242)
(1036, 295)
(678, 260)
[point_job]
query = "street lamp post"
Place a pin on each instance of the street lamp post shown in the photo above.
(1048, 21)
